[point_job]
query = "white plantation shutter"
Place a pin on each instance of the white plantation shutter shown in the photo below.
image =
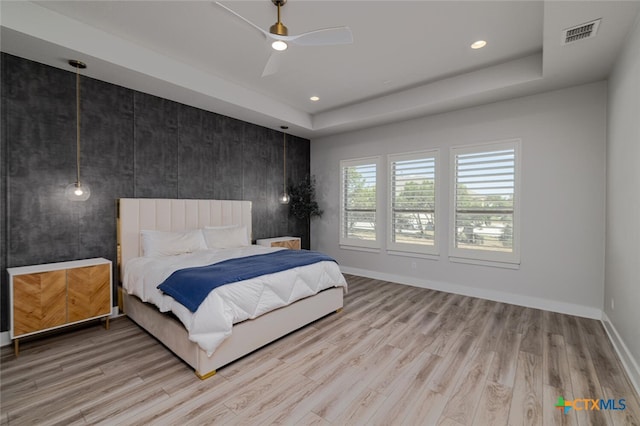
(486, 182)
(358, 218)
(412, 184)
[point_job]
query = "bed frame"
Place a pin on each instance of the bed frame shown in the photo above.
(135, 215)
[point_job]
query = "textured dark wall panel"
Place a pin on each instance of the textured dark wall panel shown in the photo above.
(255, 155)
(133, 145)
(227, 168)
(156, 147)
(196, 153)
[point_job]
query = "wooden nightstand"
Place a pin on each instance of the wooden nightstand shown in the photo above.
(287, 242)
(54, 295)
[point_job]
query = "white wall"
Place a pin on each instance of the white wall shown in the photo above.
(563, 137)
(622, 280)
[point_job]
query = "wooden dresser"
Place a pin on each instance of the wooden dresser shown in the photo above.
(49, 296)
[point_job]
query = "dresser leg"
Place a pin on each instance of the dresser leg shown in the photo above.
(16, 347)
(106, 324)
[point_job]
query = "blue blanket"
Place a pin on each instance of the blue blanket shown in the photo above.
(190, 286)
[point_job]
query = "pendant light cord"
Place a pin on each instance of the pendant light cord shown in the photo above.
(284, 159)
(78, 123)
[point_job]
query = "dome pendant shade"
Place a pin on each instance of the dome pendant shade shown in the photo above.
(284, 198)
(77, 192)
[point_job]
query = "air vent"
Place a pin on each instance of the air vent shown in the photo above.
(580, 32)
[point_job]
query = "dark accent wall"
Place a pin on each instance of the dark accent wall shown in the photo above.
(133, 145)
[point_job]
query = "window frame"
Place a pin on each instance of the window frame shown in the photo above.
(409, 249)
(356, 243)
(485, 256)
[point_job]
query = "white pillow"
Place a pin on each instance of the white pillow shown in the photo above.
(222, 227)
(163, 243)
(226, 236)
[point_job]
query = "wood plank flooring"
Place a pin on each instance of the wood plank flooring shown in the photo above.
(396, 355)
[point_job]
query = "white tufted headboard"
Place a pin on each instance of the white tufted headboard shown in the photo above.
(136, 214)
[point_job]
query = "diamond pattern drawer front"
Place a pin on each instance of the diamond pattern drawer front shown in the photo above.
(39, 301)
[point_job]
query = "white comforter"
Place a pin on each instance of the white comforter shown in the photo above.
(231, 303)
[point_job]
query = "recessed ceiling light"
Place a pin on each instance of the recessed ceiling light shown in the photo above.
(478, 44)
(314, 98)
(279, 45)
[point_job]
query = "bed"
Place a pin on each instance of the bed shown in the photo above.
(173, 215)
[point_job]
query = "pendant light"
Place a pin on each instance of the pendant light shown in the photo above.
(284, 197)
(77, 191)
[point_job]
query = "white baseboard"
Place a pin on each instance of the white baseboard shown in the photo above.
(497, 296)
(628, 361)
(5, 340)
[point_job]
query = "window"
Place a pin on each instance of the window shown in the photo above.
(412, 202)
(358, 218)
(485, 202)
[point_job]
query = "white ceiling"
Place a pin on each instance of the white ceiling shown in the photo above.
(409, 58)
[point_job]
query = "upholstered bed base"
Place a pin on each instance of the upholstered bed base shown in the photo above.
(247, 336)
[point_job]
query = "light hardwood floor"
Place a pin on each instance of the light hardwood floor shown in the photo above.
(396, 355)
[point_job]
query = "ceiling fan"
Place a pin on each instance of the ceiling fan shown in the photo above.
(280, 39)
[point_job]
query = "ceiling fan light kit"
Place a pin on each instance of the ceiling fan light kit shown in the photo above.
(279, 45)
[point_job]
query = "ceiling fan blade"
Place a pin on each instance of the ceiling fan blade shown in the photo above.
(263, 32)
(323, 37)
(273, 64)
